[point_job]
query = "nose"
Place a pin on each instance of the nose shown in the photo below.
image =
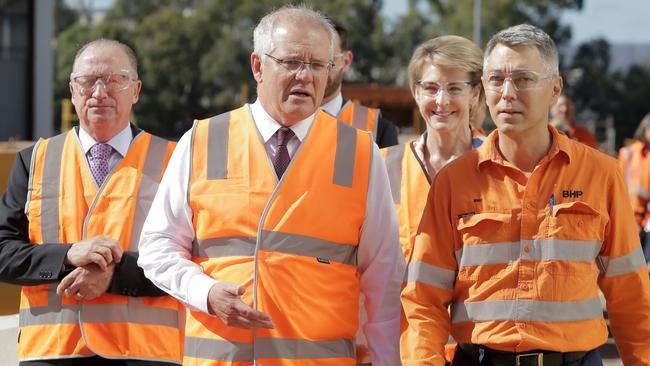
(442, 96)
(305, 73)
(508, 91)
(99, 92)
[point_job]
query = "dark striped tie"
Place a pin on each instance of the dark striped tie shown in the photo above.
(282, 158)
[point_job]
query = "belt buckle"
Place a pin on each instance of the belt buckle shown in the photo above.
(539, 357)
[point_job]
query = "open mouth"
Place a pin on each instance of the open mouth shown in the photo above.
(442, 114)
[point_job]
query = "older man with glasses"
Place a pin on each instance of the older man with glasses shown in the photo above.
(519, 235)
(274, 217)
(70, 223)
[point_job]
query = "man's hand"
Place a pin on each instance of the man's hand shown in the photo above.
(224, 301)
(86, 282)
(99, 250)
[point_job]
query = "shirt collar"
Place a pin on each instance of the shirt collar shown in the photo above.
(333, 107)
(267, 126)
(119, 142)
(489, 150)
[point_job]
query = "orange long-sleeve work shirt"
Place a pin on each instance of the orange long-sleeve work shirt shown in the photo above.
(520, 259)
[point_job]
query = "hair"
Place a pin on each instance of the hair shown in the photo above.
(105, 42)
(448, 51)
(263, 33)
(639, 134)
(525, 35)
(341, 31)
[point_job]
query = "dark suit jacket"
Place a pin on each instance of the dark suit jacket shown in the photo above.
(23, 263)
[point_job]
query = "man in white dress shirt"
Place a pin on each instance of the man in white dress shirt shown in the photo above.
(271, 262)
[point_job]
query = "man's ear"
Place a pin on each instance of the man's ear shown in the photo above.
(348, 56)
(256, 67)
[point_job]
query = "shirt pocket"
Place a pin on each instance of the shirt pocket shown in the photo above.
(488, 250)
(575, 220)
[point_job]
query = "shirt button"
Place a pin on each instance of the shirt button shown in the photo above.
(524, 287)
(527, 248)
(530, 205)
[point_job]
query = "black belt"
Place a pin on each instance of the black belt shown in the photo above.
(530, 358)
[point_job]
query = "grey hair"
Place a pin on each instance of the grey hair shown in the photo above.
(128, 51)
(263, 33)
(524, 35)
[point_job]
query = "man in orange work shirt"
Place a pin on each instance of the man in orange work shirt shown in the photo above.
(518, 239)
(563, 115)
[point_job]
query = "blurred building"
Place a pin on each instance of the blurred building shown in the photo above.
(26, 69)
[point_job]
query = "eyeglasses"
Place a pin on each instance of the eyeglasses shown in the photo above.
(113, 82)
(521, 80)
(454, 88)
(294, 65)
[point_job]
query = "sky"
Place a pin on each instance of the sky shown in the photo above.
(618, 21)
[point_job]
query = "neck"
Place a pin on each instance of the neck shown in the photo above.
(329, 98)
(526, 150)
(442, 146)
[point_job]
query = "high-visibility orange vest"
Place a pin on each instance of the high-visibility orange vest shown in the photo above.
(292, 244)
(409, 185)
(630, 160)
(360, 116)
(66, 206)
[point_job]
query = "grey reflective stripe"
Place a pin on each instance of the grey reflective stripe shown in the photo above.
(431, 275)
(526, 310)
(296, 349)
(628, 263)
(50, 189)
(359, 117)
(643, 193)
(346, 145)
(278, 348)
(218, 129)
(151, 172)
(279, 242)
(538, 250)
(219, 350)
(224, 247)
(394, 157)
(129, 313)
(309, 246)
(53, 313)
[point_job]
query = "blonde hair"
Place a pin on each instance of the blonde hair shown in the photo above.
(449, 51)
(639, 134)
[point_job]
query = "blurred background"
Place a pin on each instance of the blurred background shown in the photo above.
(194, 55)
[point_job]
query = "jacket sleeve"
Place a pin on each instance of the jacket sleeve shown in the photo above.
(430, 280)
(624, 278)
(386, 133)
(641, 194)
(21, 262)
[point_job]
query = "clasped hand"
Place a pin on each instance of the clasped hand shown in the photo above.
(95, 260)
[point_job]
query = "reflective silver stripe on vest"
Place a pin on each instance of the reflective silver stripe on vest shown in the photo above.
(394, 157)
(50, 186)
(309, 247)
(526, 310)
(218, 132)
(346, 149)
(224, 247)
(431, 275)
(277, 348)
(136, 313)
(218, 350)
(359, 117)
(538, 250)
(53, 313)
(296, 349)
(151, 173)
(628, 263)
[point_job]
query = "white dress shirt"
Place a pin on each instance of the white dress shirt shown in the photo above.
(120, 144)
(166, 242)
(334, 106)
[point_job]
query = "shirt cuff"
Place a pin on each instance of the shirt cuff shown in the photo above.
(197, 291)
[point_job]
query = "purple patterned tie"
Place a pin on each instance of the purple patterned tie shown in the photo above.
(98, 160)
(282, 159)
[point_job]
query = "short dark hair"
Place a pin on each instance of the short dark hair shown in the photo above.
(341, 30)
